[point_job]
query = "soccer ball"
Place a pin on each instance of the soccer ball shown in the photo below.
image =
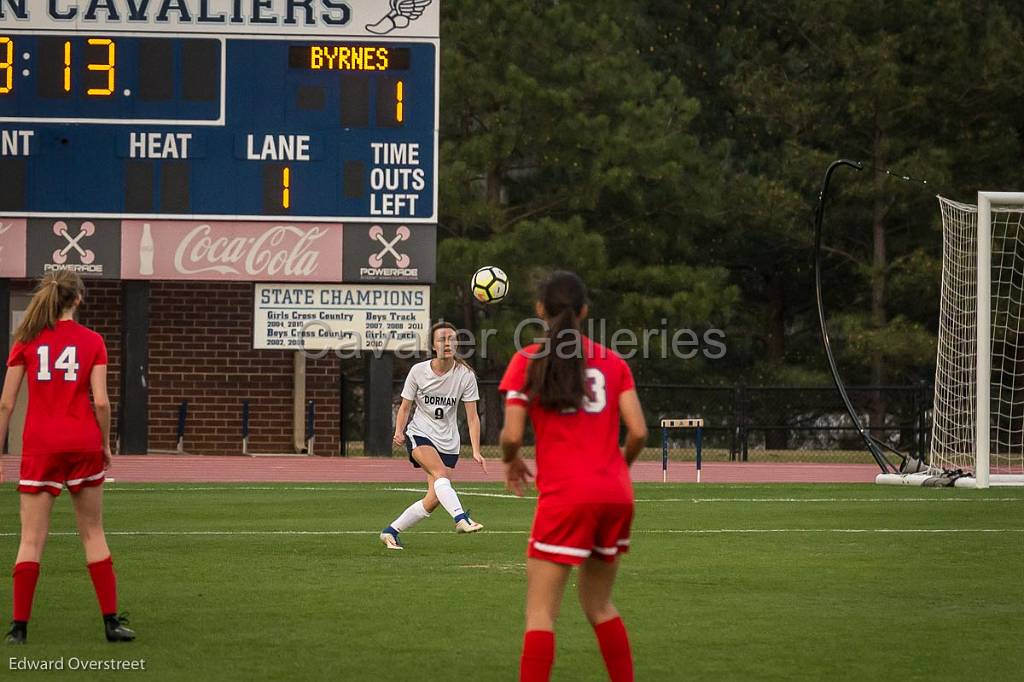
(490, 284)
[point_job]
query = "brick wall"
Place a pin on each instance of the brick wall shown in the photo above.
(101, 312)
(200, 350)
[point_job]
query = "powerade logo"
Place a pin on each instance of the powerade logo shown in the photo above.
(391, 273)
(385, 252)
(211, 12)
(86, 256)
(88, 247)
(401, 260)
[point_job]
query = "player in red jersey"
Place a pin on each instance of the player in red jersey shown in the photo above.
(574, 391)
(65, 443)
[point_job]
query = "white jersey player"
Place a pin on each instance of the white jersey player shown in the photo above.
(436, 387)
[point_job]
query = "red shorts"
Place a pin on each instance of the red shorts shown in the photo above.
(571, 533)
(50, 473)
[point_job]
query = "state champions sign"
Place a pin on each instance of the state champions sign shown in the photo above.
(342, 317)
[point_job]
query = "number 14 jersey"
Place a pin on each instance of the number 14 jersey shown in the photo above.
(58, 364)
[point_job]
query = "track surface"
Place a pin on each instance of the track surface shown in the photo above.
(216, 469)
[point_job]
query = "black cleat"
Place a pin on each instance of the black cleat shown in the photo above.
(116, 630)
(18, 633)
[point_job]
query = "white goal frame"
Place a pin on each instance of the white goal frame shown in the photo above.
(983, 424)
(982, 478)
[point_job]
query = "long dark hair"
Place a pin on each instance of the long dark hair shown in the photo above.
(556, 378)
(447, 325)
(56, 293)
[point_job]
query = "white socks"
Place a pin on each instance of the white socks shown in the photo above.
(447, 497)
(411, 516)
(416, 512)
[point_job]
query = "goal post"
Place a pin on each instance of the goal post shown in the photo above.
(978, 410)
(983, 359)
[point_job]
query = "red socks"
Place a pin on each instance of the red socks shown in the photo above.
(26, 575)
(105, 582)
(614, 643)
(538, 656)
(539, 653)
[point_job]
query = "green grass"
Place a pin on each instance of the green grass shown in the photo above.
(803, 603)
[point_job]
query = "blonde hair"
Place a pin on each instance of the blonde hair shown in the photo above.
(57, 292)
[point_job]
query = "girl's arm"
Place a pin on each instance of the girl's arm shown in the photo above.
(516, 471)
(636, 425)
(401, 420)
(101, 403)
(473, 419)
(9, 397)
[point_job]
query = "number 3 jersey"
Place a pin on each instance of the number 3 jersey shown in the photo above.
(58, 364)
(437, 401)
(578, 454)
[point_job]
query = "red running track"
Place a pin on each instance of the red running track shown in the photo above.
(238, 469)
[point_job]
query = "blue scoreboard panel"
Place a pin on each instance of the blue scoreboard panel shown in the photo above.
(121, 124)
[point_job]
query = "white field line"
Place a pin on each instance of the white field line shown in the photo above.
(248, 533)
(464, 493)
(703, 531)
(471, 492)
(717, 531)
(831, 500)
(320, 489)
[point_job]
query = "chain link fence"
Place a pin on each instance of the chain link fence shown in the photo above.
(742, 423)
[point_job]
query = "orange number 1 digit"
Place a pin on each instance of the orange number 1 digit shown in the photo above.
(67, 66)
(400, 101)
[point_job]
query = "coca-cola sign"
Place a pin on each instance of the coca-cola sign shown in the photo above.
(301, 252)
(12, 247)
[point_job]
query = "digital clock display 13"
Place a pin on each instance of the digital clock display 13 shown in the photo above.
(123, 125)
(77, 78)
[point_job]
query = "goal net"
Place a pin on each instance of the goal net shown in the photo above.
(978, 412)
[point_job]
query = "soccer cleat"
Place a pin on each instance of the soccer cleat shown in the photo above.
(468, 525)
(391, 540)
(18, 633)
(116, 630)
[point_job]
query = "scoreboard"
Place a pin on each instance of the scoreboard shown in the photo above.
(332, 115)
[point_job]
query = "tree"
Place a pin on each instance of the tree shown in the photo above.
(561, 147)
(885, 83)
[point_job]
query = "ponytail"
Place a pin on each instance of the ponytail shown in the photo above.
(57, 292)
(556, 379)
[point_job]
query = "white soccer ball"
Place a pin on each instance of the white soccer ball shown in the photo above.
(490, 284)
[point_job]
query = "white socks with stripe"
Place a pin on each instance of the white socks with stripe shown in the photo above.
(411, 516)
(448, 498)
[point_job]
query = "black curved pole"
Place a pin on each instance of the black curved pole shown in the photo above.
(819, 217)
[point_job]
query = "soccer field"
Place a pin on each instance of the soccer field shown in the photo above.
(723, 582)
